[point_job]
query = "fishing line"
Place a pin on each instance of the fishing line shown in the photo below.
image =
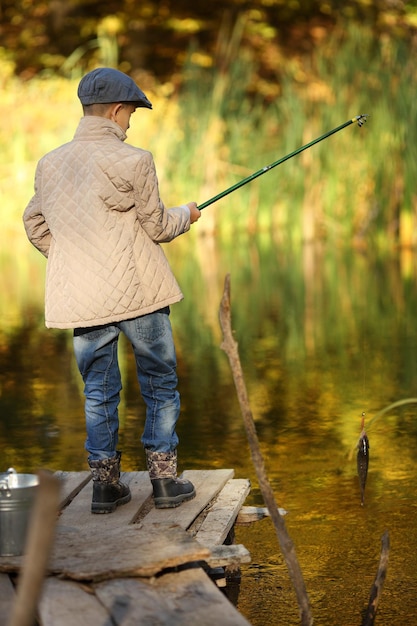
(382, 412)
(364, 340)
(362, 447)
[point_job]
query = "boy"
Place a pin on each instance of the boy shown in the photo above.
(98, 218)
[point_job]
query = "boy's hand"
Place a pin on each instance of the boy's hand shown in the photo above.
(195, 213)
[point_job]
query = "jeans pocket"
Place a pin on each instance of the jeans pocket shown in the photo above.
(149, 328)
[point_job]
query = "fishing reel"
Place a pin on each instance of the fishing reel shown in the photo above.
(361, 119)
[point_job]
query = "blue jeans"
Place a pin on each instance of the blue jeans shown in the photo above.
(96, 354)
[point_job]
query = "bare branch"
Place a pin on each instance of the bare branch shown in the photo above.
(229, 346)
(376, 590)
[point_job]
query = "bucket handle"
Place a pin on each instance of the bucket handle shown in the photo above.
(8, 482)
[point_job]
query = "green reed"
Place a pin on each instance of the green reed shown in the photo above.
(356, 186)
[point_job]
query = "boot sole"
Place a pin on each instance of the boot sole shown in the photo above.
(109, 507)
(173, 501)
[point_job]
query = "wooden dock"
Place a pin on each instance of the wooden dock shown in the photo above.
(139, 566)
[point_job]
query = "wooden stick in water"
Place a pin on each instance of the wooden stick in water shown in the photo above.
(229, 345)
(376, 590)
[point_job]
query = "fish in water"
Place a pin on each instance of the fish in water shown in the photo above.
(362, 458)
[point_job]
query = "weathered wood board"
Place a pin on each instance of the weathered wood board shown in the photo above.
(78, 513)
(124, 551)
(223, 512)
(185, 598)
(6, 597)
(118, 569)
(71, 485)
(230, 557)
(67, 603)
(207, 484)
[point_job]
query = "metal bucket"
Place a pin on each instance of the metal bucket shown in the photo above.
(17, 494)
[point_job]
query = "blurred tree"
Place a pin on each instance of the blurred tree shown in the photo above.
(67, 36)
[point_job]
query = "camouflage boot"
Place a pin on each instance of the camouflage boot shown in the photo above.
(168, 490)
(108, 491)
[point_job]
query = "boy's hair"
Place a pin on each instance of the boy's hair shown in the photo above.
(98, 108)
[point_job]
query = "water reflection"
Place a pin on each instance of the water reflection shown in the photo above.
(323, 336)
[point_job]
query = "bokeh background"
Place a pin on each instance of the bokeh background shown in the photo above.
(321, 253)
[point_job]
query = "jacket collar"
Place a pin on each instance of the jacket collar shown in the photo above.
(92, 126)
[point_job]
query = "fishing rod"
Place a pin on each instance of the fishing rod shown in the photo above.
(360, 119)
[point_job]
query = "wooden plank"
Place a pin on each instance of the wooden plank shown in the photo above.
(183, 598)
(7, 596)
(231, 556)
(249, 514)
(71, 485)
(135, 602)
(11, 563)
(78, 513)
(67, 603)
(223, 512)
(208, 483)
(125, 551)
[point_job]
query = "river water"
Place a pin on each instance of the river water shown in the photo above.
(324, 335)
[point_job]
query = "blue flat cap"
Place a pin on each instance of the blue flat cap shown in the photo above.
(106, 85)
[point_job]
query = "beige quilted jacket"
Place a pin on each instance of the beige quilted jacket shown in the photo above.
(98, 218)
